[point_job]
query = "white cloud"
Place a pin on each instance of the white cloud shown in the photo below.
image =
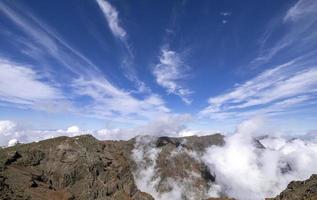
(190, 132)
(145, 168)
(112, 17)
(299, 39)
(43, 41)
(11, 132)
(13, 142)
(6, 132)
(165, 125)
(111, 14)
(301, 9)
(148, 178)
(268, 170)
(6, 126)
(245, 171)
(107, 101)
(73, 129)
(274, 90)
(170, 72)
(22, 85)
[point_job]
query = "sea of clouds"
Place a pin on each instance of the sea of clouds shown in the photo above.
(252, 165)
(246, 171)
(244, 168)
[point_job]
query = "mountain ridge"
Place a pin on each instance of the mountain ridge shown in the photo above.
(83, 167)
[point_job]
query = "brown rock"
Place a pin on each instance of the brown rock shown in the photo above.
(67, 168)
(299, 190)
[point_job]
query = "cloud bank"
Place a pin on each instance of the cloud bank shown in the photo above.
(12, 133)
(250, 166)
(253, 164)
(148, 178)
(245, 170)
(166, 125)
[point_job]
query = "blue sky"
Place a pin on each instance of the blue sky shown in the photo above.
(120, 64)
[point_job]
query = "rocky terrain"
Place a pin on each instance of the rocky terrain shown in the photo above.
(176, 164)
(84, 168)
(300, 190)
(67, 168)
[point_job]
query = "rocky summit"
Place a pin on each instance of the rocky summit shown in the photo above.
(85, 168)
(67, 168)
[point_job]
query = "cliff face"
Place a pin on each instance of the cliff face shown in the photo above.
(85, 168)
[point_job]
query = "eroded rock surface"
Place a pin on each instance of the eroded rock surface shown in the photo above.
(66, 169)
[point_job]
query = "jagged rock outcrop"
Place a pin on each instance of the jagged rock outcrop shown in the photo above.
(66, 169)
(299, 190)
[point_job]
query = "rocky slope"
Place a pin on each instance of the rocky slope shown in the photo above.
(300, 190)
(85, 168)
(67, 168)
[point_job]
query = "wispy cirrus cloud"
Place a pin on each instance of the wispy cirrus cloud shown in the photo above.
(171, 70)
(23, 85)
(169, 73)
(39, 40)
(301, 9)
(109, 101)
(300, 22)
(275, 90)
(84, 79)
(280, 88)
(111, 14)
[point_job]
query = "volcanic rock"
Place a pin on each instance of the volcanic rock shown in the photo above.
(67, 168)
